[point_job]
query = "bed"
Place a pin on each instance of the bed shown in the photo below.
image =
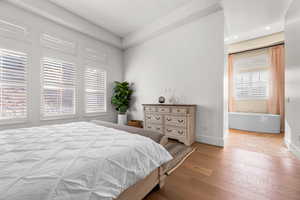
(79, 161)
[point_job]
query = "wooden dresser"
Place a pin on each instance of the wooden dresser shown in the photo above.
(173, 120)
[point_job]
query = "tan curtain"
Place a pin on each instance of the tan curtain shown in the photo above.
(231, 101)
(276, 87)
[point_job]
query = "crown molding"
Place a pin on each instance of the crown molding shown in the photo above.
(63, 17)
(179, 17)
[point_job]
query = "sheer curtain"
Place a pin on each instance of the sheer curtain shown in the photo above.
(276, 82)
(231, 99)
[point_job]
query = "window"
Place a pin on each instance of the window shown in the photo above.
(95, 90)
(251, 75)
(252, 85)
(13, 85)
(58, 95)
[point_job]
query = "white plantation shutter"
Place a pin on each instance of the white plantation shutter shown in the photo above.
(252, 85)
(58, 98)
(251, 75)
(95, 90)
(58, 44)
(13, 31)
(13, 85)
(99, 56)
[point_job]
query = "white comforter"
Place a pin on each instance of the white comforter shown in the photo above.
(78, 161)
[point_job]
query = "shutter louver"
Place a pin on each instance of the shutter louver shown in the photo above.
(96, 55)
(13, 85)
(95, 90)
(58, 88)
(58, 44)
(13, 31)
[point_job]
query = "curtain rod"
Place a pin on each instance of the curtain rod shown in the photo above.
(265, 47)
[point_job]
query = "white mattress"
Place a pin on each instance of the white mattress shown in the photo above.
(78, 161)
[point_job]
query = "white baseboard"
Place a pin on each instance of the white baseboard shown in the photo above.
(210, 140)
(293, 148)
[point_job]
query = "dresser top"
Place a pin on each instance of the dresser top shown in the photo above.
(163, 104)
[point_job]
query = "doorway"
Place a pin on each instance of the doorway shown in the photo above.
(256, 99)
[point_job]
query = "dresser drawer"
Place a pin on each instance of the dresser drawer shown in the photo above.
(163, 110)
(175, 120)
(179, 110)
(153, 118)
(150, 109)
(173, 132)
(154, 127)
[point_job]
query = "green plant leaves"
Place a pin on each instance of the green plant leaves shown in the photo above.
(121, 96)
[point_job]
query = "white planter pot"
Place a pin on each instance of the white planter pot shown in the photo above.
(122, 119)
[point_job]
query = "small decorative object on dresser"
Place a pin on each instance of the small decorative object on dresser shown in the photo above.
(176, 121)
(161, 99)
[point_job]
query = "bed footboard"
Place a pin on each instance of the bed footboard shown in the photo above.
(143, 187)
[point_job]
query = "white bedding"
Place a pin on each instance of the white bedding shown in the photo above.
(78, 161)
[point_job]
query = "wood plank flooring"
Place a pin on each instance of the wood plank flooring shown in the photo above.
(252, 166)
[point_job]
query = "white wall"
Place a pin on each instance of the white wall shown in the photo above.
(189, 60)
(36, 26)
(292, 35)
(226, 94)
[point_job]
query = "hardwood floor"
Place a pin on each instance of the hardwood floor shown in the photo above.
(252, 166)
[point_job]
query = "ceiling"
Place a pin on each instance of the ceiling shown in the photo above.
(245, 19)
(244, 16)
(121, 17)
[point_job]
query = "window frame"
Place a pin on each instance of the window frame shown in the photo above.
(64, 116)
(98, 113)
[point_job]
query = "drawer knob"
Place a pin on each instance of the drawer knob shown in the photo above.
(169, 130)
(180, 120)
(180, 132)
(157, 118)
(169, 119)
(158, 129)
(162, 109)
(178, 110)
(148, 117)
(149, 127)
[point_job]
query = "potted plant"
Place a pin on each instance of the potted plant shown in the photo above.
(121, 100)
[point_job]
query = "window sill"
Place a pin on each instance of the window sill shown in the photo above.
(12, 121)
(59, 117)
(252, 99)
(96, 114)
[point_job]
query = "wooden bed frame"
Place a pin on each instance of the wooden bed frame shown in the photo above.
(143, 187)
(158, 176)
(139, 190)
